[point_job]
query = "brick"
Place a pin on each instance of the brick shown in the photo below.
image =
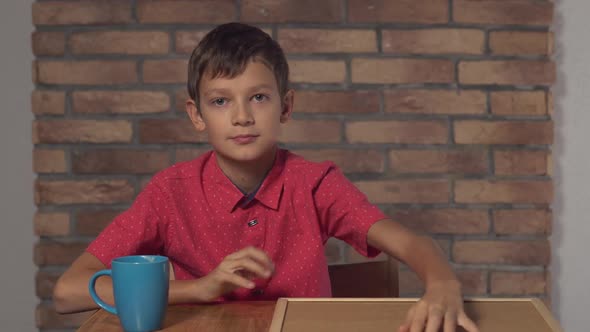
(82, 131)
(83, 191)
(119, 161)
(286, 11)
(186, 41)
(521, 12)
(119, 42)
(518, 283)
(503, 132)
(92, 222)
(510, 72)
(435, 101)
(47, 318)
(399, 132)
(482, 191)
(327, 41)
(143, 182)
(120, 102)
(405, 191)
(518, 102)
(404, 11)
(550, 103)
(473, 282)
(401, 71)
(86, 72)
(439, 161)
(48, 102)
(165, 71)
(521, 162)
(57, 252)
(521, 42)
(522, 222)
(184, 11)
(444, 221)
(51, 223)
(169, 131)
(49, 161)
(350, 161)
(357, 101)
(48, 43)
(44, 283)
(82, 12)
(311, 131)
(433, 41)
(180, 97)
(189, 154)
(530, 252)
(445, 246)
(317, 71)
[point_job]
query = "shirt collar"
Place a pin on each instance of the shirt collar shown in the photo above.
(225, 195)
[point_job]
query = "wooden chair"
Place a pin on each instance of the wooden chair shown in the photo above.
(367, 279)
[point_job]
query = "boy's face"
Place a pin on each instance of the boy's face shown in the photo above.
(242, 115)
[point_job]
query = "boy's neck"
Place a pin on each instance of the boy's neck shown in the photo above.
(247, 176)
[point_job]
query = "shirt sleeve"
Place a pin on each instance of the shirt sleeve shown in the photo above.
(345, 212)
(136, 231)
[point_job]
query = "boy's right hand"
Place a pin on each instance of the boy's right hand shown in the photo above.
(238, 270)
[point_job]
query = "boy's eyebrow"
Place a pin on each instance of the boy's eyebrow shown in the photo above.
(222, 90)
(213, 91)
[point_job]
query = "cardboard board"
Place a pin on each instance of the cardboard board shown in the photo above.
(369, 314)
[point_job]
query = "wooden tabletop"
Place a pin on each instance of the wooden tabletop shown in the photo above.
(338, 315)
(238, 317)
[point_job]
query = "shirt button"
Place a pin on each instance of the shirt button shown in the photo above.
(258, 291)
(252, 223)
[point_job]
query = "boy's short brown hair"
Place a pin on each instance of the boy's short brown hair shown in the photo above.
(226, 50)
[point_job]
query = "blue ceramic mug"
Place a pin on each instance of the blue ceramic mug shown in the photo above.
(140, 287)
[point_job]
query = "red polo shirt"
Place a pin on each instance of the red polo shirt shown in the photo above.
(193, 214)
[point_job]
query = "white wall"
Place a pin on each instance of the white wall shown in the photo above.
(17, 299)
(571, 238)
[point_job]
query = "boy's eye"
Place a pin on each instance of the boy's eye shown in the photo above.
(259, 97)
(219, 101)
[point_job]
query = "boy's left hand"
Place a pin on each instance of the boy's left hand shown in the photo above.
(441, 305)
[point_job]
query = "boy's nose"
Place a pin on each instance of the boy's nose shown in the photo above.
(242, 116)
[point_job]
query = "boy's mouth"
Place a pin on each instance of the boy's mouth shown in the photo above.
(244, 139)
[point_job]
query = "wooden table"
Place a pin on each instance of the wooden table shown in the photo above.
(335, 315)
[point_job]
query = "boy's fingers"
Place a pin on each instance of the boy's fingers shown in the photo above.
(434, 319)
(450, 321)
(467, 323)
(419, 318)
(237, 280)
(253, 253)
(251, 266)
(260, 256)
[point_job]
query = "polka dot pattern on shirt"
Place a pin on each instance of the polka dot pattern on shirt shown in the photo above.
(192, 213)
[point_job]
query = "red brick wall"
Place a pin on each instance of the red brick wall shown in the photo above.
(439, 110)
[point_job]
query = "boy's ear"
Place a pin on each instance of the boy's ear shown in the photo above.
(287, 106)
(195, 115)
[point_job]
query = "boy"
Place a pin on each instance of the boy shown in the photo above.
(248, 221)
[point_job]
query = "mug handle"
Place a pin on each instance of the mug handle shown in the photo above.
(95, 297)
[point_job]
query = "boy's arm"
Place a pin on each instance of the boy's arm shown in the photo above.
(442, 303)
(71, 290)
(420, 253)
